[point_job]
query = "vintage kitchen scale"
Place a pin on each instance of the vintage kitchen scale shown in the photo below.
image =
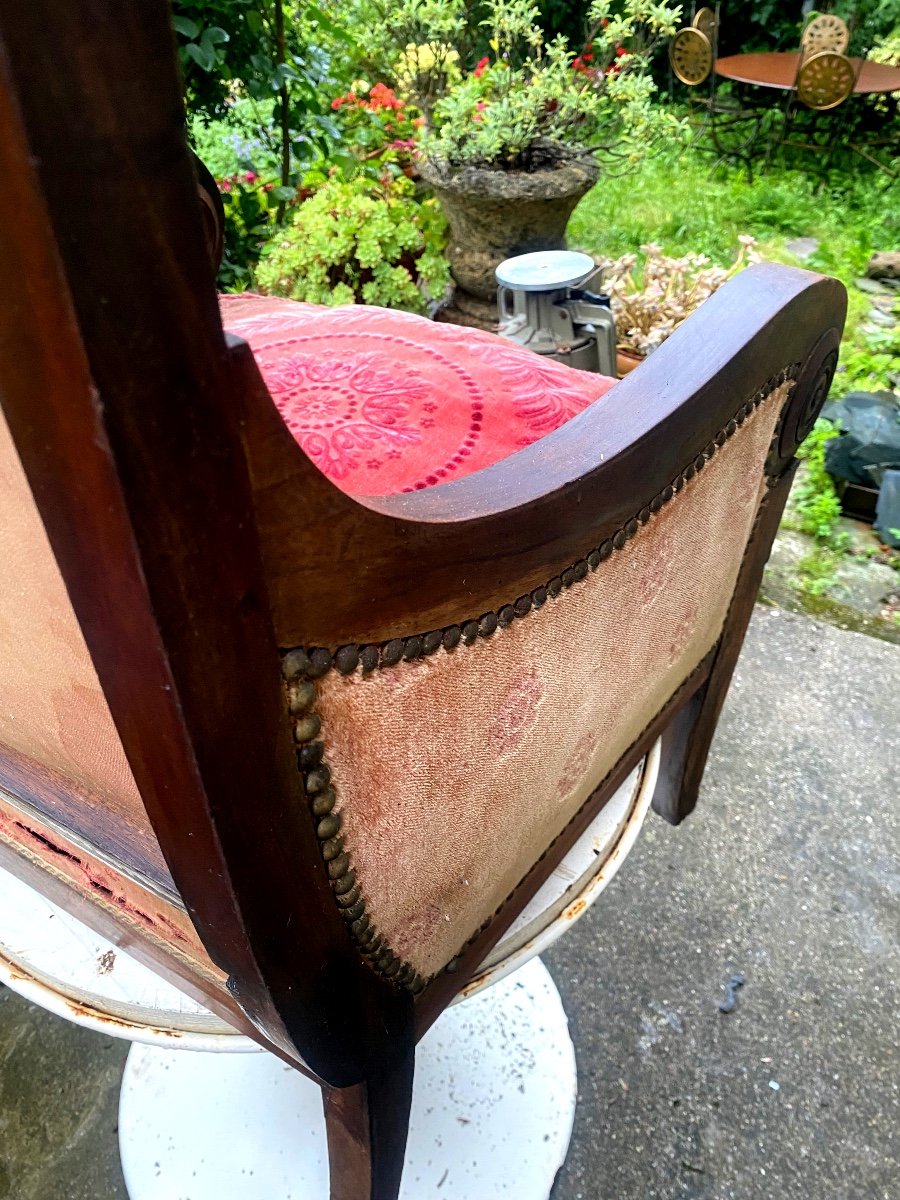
(544, 305)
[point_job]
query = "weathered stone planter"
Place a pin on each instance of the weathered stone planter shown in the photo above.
(495, 214)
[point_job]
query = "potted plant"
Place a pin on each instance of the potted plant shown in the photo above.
(650, 300)
(362, 231)
(516, 128)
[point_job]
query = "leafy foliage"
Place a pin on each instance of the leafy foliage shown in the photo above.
(872, 364)
(815, 503)
(377, 129)
(267, 56)
(250, 206)
(360, 240)
(243, 139)
(216, 40)
(524, 91)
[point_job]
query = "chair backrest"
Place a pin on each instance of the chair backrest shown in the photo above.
(825, 79)
(354, 737)
(826, 31)
(694, 49)
(691, 55)
(706, 19)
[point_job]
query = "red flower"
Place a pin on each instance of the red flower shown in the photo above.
(382, 96)
(338, 101)
(251, 177)
(621, 52)
(481, 66)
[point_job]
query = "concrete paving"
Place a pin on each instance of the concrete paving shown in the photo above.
(788, 874)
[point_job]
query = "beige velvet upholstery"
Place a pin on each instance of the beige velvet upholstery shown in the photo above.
(53, 713)
(454, 772)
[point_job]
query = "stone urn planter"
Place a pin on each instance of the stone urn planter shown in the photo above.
(494, 214)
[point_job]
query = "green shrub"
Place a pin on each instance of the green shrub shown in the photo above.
(493, 90)
(815, 504)
(249, 203)
(871, 363)
(360, 240)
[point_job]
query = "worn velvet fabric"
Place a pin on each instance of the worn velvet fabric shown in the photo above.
(454, 772)
(52, 708)
(386, 402)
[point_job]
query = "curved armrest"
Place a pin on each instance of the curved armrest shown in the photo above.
(425, 559)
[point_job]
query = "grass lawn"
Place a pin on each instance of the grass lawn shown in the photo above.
(681, 202)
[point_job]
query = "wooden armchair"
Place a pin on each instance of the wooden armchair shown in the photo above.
(307, 753)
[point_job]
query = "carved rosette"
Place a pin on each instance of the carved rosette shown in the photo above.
(806, 400)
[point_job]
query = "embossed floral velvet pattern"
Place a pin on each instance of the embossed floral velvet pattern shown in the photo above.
(385, 402)
(454, 772)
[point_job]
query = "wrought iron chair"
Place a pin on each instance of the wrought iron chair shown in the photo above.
(731, 120)
(309, 753)
(825, 81)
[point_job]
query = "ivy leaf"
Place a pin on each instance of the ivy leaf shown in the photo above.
(186, 27)
(203, 55)
(214, 36)
(281, 75)
(323, 20)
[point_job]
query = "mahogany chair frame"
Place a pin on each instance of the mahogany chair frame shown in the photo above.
(199, 545)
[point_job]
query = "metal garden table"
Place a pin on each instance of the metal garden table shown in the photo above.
(778, 69)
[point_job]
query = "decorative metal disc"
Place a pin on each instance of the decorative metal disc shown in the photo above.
(825, 32)
(691, 56)
(544, 270)
(825, 80)
(705, 21)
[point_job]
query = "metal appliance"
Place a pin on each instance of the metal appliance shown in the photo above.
(543, 306)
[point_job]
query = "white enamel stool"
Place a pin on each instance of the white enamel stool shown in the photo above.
(495, 1085)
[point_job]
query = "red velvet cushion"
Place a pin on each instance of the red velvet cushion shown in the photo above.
(388, 402)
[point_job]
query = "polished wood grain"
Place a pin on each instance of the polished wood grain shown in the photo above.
(367, 1125)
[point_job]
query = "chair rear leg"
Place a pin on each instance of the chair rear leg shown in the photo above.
(680, 738)
(367, 1125)
(686, 742)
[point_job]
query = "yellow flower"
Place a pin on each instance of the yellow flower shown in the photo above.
(416, 60)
